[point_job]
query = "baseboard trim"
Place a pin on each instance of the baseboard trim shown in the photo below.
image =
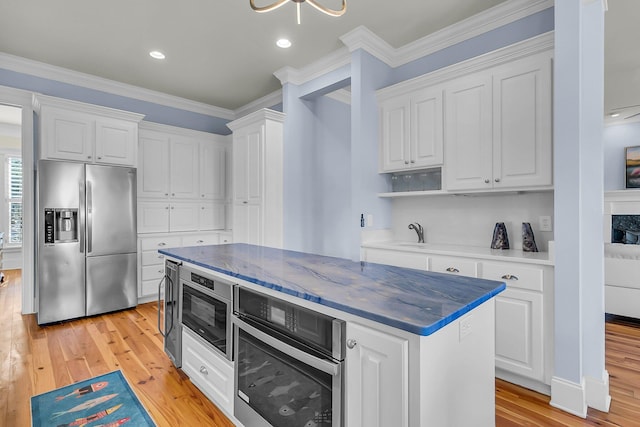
(597, 392)
(569, 397)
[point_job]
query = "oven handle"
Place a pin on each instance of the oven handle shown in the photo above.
(326, 366)
(164, 334)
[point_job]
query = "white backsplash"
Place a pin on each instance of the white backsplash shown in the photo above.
(470, 219)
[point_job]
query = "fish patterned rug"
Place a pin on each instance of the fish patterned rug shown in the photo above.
(103, 401)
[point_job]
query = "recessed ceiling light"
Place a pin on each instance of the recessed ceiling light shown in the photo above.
(283, 43)
(614, 114)
(156, 54)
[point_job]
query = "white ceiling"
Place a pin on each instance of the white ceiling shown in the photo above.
(221, 53)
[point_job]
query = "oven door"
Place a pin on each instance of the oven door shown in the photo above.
(279, 385)
(207, 316)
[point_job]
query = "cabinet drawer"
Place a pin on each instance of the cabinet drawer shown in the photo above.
(149, 243)
(153, 272)
(450, 265)
(622, 272)
(210, 373)
(399, 259)
(152, 258)
(226, 238)
(203, 239)
(149, 287)
(514, 275)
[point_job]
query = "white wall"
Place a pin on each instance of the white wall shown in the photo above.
(616, 138)
(469, 220)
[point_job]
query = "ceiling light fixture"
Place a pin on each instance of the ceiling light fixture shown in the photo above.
(278, 3)
(156, 54)
(283, 43)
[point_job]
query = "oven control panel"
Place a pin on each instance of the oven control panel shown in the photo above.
(202, 281)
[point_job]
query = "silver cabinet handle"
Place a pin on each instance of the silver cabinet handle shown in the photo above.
(406, 162)
(88, 157)
(486, 181)
(351, 343)
(173, 194)
(203, 195)
(160, 256)
(199, 241)
(453, 270)
(159, 271)
(497, 180)
(413, 161)
(162, 244)
(99, 158)
(203, 370)
(510, 277)
(245, 202)
(166, 194)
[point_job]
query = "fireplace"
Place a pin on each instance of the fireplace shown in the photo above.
(625, 229)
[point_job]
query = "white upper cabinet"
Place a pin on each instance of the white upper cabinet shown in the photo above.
(86, 133)
(411, 130)
(184, 161)
(153, 176)
(498, 127)
(468, 149)
(213, 171)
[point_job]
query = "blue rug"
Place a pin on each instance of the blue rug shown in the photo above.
(103, 401)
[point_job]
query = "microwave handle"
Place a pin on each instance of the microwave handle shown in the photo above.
(326, 366)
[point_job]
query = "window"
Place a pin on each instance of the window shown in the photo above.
(14, 199)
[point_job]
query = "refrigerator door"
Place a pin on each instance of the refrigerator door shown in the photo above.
(111, 283)
(111, 210)
(60, 273)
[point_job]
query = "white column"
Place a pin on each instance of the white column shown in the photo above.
(580, 378)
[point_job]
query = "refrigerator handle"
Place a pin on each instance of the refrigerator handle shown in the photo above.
(80, 225)
(89, 217)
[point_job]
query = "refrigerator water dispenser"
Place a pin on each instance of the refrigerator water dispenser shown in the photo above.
(60, 225)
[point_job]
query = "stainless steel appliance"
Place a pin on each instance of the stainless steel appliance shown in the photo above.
(206, 309)
(86, 240)
(289, 363)
(172, 332)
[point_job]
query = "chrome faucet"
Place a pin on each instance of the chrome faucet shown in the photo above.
(419, 230)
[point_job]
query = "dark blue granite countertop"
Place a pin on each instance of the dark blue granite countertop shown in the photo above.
(416, 301)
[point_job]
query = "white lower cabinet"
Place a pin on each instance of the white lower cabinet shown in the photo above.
(520, 319)
(212, 374)
(377, 378)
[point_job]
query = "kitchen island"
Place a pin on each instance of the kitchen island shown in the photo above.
(425, 341)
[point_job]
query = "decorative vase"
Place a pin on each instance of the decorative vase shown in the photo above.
(528, 241)
(500, 237)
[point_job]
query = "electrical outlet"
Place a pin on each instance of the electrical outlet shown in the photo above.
(545, 223)
(369, 220)
(466, 327)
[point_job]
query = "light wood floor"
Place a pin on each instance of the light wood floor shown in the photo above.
(36, 359)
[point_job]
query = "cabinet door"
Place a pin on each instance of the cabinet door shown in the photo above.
(248, 167)
(212, 171)
(153, 165)
(377, 379)
(247, 224)
(153, 217)
(395, 133)
(183, 216)
(426, 128)
(184, 154)
(212, 216)
(519, 329)
(67, 135)
(396, 258)
(116, 142)
(468, 136)
(522, 123)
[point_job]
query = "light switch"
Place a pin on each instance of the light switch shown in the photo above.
(545, 223)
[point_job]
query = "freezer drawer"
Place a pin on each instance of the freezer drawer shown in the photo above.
(111, 283)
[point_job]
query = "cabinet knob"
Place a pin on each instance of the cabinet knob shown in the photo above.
(453, 270)
(486, 181)
(199, 241)
(245, 202)
(203, 195)
(351, 343)
(406, 162)
(99, 158)
(173, 194)
(203, 370)
(497, 180)
(166, 207)
(162, 244)
(172, 208)
(166, 194)
(510, 277)
(413, 161)
(160, 271)
(88, 157)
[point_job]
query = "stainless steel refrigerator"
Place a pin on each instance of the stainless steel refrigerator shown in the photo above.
(86, 248)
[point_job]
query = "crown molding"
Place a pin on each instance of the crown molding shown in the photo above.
(330, 62)
(52, 72)
(490, 19)
(43, 101)
(174, 130)
(257, 116)
(266, 101)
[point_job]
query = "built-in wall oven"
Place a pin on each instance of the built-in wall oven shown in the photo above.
(206, 309)
(289, 363)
